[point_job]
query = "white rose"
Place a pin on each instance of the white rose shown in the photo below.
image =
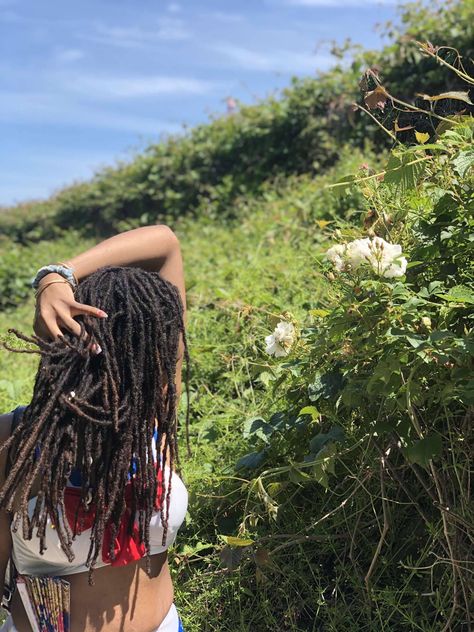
(336, 256)
(358, 251)
(397, 268)
(386, 259)
(274, 348)
(281, 340)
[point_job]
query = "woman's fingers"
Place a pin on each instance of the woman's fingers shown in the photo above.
(81, 308)
(48, 328)
(69, 323)
(52, 319)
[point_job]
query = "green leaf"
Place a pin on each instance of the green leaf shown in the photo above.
(415, 341)
(432, 146)
(251, 461)
(310, 410)
(298, 476)
(463, 161)
(279, 421)
(317, 443)
(422, 451)
(319, 313)
(422, 137)
(259, 427)
(230, 557)
(459, 294)
(320, 475)
(266, 377)
(189, 550)
(325, 386)
(403, 172)
(235, 541)
(329, 453)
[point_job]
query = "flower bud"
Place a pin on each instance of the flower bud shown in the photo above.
(426, 322)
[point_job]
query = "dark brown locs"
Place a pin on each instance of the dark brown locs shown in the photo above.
(99, 412)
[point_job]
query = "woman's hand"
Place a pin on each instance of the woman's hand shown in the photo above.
(56, 308)
(154, 248)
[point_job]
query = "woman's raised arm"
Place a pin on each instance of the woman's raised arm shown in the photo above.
(153, 248)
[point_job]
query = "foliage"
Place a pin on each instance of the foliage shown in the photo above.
(376, 398)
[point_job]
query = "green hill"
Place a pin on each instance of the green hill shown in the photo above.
(329, 487)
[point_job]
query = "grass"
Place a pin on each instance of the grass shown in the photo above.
(240, 276)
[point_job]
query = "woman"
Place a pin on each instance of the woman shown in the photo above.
(90, 482)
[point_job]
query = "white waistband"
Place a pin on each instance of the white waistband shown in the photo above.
(171, 622)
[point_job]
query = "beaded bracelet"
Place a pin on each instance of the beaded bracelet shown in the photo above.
(64, 271)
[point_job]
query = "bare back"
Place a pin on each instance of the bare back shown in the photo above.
(123, 599)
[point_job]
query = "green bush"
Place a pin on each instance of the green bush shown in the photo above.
(375, 398)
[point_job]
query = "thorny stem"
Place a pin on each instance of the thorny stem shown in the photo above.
(387, 131)
(440, 60)
(415, 108)
(385, 527)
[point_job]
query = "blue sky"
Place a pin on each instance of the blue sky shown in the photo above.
(85, 83)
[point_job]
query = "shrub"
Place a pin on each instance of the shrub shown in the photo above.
(375, 397)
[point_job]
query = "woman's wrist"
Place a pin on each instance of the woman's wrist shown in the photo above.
(52, 276)
(65, 271)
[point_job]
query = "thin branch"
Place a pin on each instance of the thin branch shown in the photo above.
(387, 131)
(385, 528)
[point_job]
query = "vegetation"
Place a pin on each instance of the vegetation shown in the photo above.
(329, 486)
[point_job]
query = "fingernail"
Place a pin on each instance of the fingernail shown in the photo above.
(102, 314)
(98, 349)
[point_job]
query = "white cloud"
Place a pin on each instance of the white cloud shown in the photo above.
(69, 55)
(42, 173)
(275, 60)
(164, 29)
(230, 18)
(172, 29)
(136, 87)
(42, 108)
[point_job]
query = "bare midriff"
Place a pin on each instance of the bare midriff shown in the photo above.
(123, 598)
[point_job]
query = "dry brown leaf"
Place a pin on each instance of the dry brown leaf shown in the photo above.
(376, 98)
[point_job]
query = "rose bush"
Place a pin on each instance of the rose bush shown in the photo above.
(375, 403)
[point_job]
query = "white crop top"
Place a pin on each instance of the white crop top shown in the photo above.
(29, 561)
